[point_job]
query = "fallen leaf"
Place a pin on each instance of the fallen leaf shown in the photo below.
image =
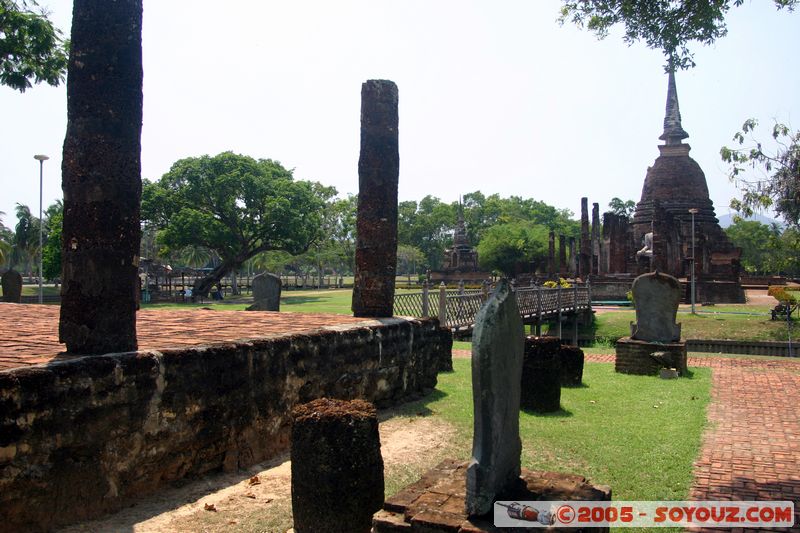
(210, 507)
(249, 495)
(655, 407)
(592, 401)
(254, 481)
(268, 500)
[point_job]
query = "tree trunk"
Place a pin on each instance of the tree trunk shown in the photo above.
(101, 178)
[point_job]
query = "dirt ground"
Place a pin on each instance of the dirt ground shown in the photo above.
(259, 499)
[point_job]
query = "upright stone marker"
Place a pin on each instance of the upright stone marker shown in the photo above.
(657, 297)
(101, 178)
(12, 287)
(266, 293)
(376, 225)
(497, 348)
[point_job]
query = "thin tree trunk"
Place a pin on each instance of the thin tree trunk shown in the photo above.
(101, 173)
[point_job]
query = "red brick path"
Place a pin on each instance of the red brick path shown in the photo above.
(751, 447)
(29, 333)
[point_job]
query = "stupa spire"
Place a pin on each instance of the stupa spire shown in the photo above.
(673, 131)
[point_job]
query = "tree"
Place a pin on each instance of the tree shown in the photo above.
(774, 176)
(236, 206)
(622, 208)
(51, 255)
(507, 247)
(408, 258)
(31, 48)
(26, 239)
(6, 242)
(666, 25)
(759, 243)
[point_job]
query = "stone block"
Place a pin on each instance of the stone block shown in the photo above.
(541, 375)
(636, 357)
(12, 286)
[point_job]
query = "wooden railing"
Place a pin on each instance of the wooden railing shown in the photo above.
(457, 309)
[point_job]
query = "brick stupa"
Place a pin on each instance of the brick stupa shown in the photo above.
(674, 185)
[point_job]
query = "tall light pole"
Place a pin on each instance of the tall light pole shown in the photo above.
(693, 211)
(41, 159)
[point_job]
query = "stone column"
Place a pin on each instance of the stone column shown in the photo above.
(585, 253)
(595, 238)
(573, 260)
(562, 256)
(337, 468)
(101, 178)
(551, 254)
(376, 225)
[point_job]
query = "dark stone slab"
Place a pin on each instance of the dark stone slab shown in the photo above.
(497, 346)
(266, 293)
(376, 225)
(656, 297)
(12, 287)
(439, 508)
(541, 375)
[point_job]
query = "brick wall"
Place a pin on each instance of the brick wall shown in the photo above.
(80, 437)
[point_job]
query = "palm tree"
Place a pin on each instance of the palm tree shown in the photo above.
(25, 247)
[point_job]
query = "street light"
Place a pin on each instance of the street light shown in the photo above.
(693, 211)
(41, 159)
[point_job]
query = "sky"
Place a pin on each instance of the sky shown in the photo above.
(494, 96)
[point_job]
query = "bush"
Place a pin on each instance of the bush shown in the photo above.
(564, 284)
(783, 294)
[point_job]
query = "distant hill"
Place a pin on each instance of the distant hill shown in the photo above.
(727, 220)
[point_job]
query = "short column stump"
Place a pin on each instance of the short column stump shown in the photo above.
(572, 359)
(337, 469)
(436, 503)
(634, 356)
(541, 375)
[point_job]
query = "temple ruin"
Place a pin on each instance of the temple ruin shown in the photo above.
(660, 236)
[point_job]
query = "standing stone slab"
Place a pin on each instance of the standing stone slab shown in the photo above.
(101, 178)
(656, 297)
(497, 347)
(12, 287)
(376, 225)
(266, 293)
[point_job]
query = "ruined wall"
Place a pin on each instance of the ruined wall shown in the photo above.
(80, 437)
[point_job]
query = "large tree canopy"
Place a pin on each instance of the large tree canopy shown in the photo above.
(666, 25)
(512, 247)
(31, 48)
(234, 205)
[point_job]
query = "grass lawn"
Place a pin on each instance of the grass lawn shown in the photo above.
(706, 325)
(638, 434)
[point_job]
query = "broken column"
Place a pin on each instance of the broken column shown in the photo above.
(497, 344)
(551, 254)
(337, 469)
(562, 256)
(376, 225)
(101, 178)
(541, 375)
(573, 259)
(584, 261)
(595, 238)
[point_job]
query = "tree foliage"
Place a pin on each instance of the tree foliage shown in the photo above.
(766, 178)
(511, 246)
(766, 249)
(31, 48)
(623, 208)
(236, 206)
(666, 25)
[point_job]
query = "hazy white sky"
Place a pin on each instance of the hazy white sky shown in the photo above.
(494, 96)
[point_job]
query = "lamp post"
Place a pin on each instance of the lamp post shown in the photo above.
(693, 211)
(41, 159)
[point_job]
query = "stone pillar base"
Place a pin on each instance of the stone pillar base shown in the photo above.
(436, 503)
(636, 357)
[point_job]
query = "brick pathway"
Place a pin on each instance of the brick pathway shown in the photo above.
(751, 448)
(29, 333)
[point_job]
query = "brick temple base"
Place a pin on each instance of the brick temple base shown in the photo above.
(634, 356)
(435, 503)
